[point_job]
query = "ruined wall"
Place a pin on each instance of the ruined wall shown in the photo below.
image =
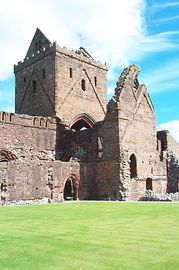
(118, 158)
(76, 145)
(28, 137)
(169, 150)
(138, 187)
(34, 181)
(80, 86)
(173, 163)
(138, 155)
(137, 127)
(35, 83)
(172, 145)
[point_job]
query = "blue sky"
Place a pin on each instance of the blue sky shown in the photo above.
(119, 32)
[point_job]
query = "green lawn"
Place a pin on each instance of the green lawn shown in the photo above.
(90, 236)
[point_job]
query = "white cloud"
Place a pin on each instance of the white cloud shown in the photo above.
(110, 30)
(172, 127)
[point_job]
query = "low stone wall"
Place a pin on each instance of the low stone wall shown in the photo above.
(34, 181)
(154, 196)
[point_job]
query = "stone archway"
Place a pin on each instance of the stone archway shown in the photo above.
(71, 188)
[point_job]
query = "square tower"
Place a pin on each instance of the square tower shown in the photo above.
(53, 81)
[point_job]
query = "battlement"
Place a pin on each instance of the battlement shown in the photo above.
(54, 47)
(45, 50)
(28, 121)
(81, 55)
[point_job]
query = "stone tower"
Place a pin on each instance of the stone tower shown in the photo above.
(53, 81)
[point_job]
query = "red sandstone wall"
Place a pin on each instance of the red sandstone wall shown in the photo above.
(28, 137)
(172, 145)
(70, 99)
(34, 181)
(39, 101)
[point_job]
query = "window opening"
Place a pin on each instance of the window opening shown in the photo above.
(95, 81)
(80, 125)
(71, 73)
(149, 185)
(34, 86)
(44, 73)
(83, 85)
(133, 166)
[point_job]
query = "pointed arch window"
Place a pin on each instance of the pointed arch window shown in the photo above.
(82, 122)
(133, 166)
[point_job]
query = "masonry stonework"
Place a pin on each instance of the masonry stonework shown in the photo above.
(66, 142)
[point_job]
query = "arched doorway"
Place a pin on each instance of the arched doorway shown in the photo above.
(149, 185)
(133, 166)
(71, 188)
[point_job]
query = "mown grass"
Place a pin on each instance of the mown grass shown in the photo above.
(90, 236)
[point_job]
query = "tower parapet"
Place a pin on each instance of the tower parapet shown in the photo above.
(36, 56)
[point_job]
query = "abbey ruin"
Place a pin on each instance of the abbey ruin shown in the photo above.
(65, 141)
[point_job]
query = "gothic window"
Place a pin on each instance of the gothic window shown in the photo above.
(133, 166)
(34, 86)
(149, 185)
(83, 85)
(81, 124)
(95, 81)
(71, 73)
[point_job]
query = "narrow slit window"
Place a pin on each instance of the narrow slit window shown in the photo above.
(95, 81)
(133, 166)
(34, 86)
(71, 73)
(83, 85)
(44, 73)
